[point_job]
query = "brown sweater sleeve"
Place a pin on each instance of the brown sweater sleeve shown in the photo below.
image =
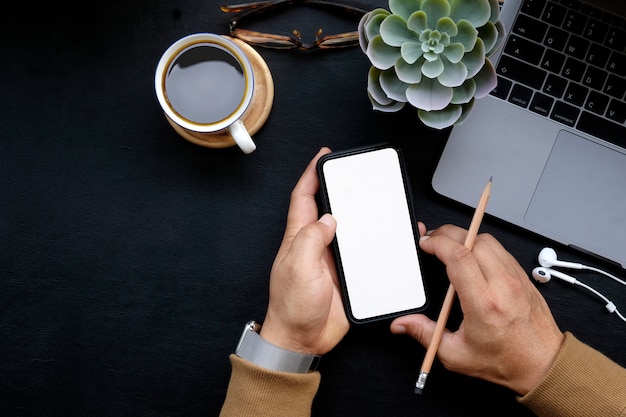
(258, 392)
(581, 383)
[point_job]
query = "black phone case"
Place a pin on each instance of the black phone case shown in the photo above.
(325, 208)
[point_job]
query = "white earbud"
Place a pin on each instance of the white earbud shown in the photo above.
(543, 275)
(547, 257)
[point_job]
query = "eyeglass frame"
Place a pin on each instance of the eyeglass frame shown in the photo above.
(342, 40)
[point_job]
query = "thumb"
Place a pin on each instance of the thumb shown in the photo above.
(312, 240)
(418, 326)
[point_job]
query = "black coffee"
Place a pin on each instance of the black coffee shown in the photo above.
(205, 84)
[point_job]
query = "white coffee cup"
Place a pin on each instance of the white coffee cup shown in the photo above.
(204, 83)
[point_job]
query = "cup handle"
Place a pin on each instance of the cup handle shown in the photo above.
(241, 136)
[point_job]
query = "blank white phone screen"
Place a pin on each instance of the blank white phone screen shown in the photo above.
(375, 234)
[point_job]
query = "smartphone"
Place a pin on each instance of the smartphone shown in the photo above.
(376, 244)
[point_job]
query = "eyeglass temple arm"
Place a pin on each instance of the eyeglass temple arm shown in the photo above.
(271, 4)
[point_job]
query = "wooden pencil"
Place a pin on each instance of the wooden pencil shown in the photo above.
(442, 319)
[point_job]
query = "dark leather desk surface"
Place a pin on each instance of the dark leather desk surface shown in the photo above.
(130, 259)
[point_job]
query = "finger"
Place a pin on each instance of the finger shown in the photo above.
(303, 207)
(422, 229)
(312, 240)
(454, 232)
(462, 267)
(418, 326)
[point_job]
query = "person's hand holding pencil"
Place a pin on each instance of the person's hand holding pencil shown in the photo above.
(508, 334)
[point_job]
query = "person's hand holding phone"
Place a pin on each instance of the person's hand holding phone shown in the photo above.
(508, 334)
(305, 312)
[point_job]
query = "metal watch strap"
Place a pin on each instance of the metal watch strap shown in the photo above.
(253, 348)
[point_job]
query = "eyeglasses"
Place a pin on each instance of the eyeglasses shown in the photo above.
(267, 40)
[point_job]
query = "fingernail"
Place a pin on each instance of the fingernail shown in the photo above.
(425, 237)
(400, 329)
(327, 219)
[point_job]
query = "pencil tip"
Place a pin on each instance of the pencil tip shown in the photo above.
(418, 391)
(491, 179)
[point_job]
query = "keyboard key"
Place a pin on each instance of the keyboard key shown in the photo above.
(520, 95)
(596, 31)
(595, 78)
(530, 28)
(613, 20)
(591, 11)
(617, 64)
(541, 104)
(576, 94)
(615, 86)
(572, 4)
(598, 55)
(554, 14)
(617, 111)
(556, 38)
(521, 72)
(524, 49)
(616, 39)
(575, 23)
(555, 86)
(565, 113)
(573, 69)
(502, 89)
(602, 128)
(597, 102)
(533, 7)
(553, 61)
(577, 47)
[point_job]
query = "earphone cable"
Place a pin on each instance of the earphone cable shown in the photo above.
(591, 268)
(609, 304)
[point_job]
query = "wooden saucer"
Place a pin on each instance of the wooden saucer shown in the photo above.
(258, 110)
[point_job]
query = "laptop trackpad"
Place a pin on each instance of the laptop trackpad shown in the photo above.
(581, 197)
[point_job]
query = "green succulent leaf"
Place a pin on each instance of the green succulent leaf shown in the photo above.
(486, 80)
(447, 26)
(369, 26)
(392, 86)
(454, 52)
(409, 73)
(435, 10)
(467, 34)
(411, 52)
(429, 95)
(392, 107)
(477, 12)
(466, 110)
(395, 32)
(464, 93)
(453, 75)
(418, 22)
(489, 34)
(474, 59)
(434, 68)
(375, 91)
(404, 8)
(380, 54)
(501, 33)
(495, 11)
(441, 119)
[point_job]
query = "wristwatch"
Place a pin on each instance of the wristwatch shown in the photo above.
(253, 348)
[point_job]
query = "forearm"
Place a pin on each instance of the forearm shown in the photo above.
(582, 382)
(255, 391)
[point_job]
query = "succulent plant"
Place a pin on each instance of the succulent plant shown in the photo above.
(432, 54)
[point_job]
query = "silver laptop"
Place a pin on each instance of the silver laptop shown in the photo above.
(553, 133)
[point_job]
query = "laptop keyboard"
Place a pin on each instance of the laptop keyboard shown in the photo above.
(566, 60)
